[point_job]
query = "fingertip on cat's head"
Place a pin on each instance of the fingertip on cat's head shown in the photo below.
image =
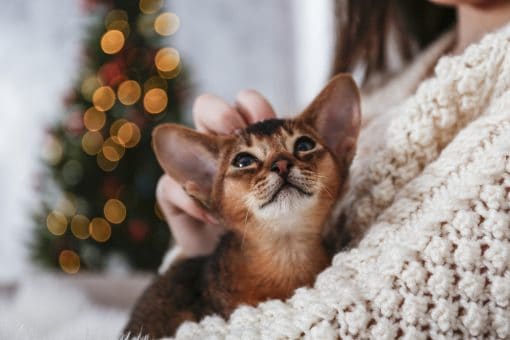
(253, 106)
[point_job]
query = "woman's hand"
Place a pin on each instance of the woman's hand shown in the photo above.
(193, 229)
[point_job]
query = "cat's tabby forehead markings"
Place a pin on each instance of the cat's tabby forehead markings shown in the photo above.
(266, 127)
(270, 133)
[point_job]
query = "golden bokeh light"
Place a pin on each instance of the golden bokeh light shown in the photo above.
(80, 227)
(150, 6)
(114, 211)
(113, 151)
(155, 101)
(112, 41)
(171, 74)
(56, 223)
(116, 125)
(100, 229)
(103, 98)
(89, 85)
(167, 23)
(167, 59)
(129, 92)
(94, 119)
(105, 164)
(69, 261)
(129, 135)
(92, 142)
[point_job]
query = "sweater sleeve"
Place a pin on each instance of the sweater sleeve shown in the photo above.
(434, 260)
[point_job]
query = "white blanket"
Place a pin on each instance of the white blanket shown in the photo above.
(47, 308)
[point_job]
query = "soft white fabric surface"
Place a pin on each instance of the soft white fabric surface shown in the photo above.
(48, 308)
(431, 198)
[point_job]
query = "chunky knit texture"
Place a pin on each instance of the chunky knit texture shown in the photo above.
(430, 197)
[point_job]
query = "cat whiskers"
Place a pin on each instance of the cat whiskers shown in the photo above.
(323, 186)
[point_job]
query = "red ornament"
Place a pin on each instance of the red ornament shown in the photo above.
(138, 230)
(112, 73)
(138, 118)
(111, 187)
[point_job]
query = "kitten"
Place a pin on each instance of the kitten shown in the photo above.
(273, 186)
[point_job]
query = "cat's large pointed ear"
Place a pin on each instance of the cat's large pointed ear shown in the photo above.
(336, 115)
(190, 157)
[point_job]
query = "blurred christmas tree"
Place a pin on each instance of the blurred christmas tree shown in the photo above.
(99, 156)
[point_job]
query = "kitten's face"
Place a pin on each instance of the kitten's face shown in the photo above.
(279, 174)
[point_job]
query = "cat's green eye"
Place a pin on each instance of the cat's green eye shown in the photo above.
(304, 144)
(243, 160)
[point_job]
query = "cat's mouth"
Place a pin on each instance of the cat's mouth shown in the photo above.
(286, 187)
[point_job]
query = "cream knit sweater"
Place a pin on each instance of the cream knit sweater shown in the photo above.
(430, 198)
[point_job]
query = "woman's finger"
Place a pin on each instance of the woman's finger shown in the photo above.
(253, 106)
(212, 114)
(173, 200)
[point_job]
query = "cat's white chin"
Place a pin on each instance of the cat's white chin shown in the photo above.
(288, 204)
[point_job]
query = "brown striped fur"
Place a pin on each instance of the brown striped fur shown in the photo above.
(274, 216)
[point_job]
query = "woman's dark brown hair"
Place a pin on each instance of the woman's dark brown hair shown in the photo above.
(363, 28)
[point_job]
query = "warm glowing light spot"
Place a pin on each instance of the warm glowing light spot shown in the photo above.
(80, 227)
(69, 261)
(116, 125)
(92, 142)
(105, 164)
(100, 229)
(167, 59)
(129, 92)
(172, 74)
(150, 6)
(56, 223)
(94, 119)
(129, 135)
(112, 41)
(114, 211)
(167, 23)
(103, 98)
(113, 151)
(89, 85)
(168, 62)
(155, 101)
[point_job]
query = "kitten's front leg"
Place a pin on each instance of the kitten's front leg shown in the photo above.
(172, 298)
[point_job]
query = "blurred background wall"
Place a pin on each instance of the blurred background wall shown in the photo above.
(39, 48)
(282, 48)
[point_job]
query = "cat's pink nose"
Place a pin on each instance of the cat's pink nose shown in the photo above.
(281, 167)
